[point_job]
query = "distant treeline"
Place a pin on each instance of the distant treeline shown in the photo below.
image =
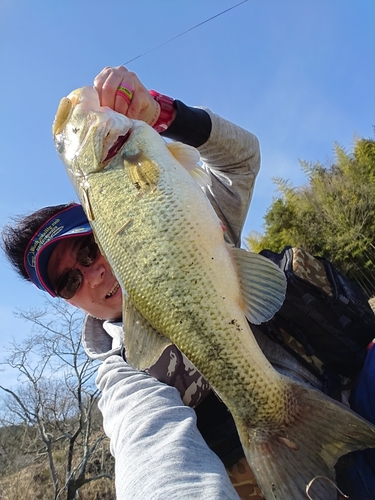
(333, 215)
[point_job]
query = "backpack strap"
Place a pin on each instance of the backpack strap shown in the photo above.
(331, 383)
(327, 314)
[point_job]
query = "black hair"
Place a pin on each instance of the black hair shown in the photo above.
(17, 235)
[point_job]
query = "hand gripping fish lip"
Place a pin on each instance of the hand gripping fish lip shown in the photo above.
(70, 130)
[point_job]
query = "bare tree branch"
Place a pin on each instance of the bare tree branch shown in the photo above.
(56, 397)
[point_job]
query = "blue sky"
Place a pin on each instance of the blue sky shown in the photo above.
(297, 73)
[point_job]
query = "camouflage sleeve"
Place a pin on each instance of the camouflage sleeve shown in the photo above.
(102, 339)
(173, 368)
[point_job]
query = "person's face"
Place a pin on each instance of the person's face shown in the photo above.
(99, 293)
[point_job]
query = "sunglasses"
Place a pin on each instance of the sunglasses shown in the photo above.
(71, 281)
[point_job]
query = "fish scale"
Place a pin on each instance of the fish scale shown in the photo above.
(165, 245)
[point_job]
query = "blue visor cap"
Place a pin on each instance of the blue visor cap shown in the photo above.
(70, 222)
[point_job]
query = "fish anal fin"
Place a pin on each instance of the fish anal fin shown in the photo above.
(287, 457)
(143, 344)
(143, 172)
(263, 285)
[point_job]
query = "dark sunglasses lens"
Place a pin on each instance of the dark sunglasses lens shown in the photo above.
(69, 284)
(88, 253)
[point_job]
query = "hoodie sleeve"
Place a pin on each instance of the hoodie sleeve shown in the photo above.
(159, 452)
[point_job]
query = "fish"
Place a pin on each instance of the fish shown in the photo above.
(183, 284)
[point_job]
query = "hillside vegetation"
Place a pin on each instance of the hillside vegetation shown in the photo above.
(333, 215)
(25, 477)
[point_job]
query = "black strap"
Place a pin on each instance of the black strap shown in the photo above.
(331, 381)
(218, 429)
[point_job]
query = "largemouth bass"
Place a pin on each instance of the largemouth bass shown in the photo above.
(165, 244)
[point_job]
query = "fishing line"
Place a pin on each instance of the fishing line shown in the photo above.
(184, 32)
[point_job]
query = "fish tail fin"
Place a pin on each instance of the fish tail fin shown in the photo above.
(305, 447)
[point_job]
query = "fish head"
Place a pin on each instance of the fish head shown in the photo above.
(90, 138)
(86, 134)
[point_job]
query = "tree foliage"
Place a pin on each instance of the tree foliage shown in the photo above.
(56, 400)
(333, 215)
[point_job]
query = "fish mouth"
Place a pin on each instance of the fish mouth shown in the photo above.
(113, 290)
(79, 116)
(120, 141)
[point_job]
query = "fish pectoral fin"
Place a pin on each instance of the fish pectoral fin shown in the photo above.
(143, 172)
(263, 285)
(189, 158)
(201, 177)
(143, 344)
(186, 155)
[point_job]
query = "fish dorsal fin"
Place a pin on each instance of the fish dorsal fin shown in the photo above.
(263, 285)
(189, 158)
(143, 344)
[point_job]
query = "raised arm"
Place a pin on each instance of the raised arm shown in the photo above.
(229, 153)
